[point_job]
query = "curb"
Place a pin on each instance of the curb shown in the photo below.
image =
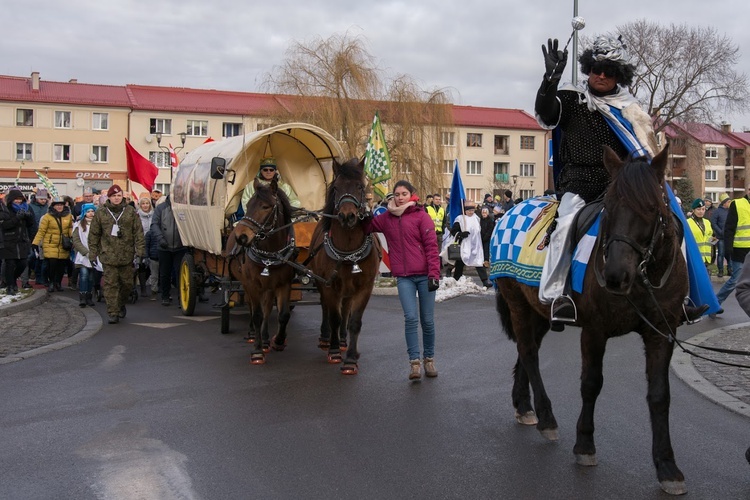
(682, 366)
(93, 325)
(36, 298)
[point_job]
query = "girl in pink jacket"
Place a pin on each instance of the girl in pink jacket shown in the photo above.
(413, 251)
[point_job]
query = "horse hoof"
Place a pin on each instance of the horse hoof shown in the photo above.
(586, 460)
(349, 369)
(266, 348)
(334, 359)
(324, 345)
(528, 418)
(550, 434)
(276, 346)
(260, 360)
(674, 487)
(250, 340)
(343, 345)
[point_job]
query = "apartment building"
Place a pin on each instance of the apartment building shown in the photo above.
(74, 133)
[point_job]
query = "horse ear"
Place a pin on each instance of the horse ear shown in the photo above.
(336, 167)
(612, 161)
(659, 163)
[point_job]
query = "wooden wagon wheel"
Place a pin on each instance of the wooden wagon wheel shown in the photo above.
(188, 285)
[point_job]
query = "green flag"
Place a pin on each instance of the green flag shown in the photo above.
(377, 159)
(47, 183)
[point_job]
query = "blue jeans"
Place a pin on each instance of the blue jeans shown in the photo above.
(731, 283)
(411, 288)
(720, 256)
(85, 279)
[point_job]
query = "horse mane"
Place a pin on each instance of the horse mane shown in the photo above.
(637, 186)
(264, 193)
(348, 170)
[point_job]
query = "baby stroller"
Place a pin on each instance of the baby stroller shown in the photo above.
(140, 279)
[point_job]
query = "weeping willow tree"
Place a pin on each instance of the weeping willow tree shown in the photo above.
(334, 83)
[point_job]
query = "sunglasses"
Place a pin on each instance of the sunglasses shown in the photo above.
(598, 69)
(268, 170)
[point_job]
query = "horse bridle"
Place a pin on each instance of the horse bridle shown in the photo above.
(357, 201)
(264, 229)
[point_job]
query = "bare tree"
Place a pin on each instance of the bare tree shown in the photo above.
(334, 83)
(685, 73)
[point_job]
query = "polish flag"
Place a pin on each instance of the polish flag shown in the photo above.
(173, 157)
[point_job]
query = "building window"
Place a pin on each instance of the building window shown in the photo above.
(527, 142)
(711, 175)
(502, 145)
(100, 121)
(527, 170)
(712, 152)
(62, 119)
(500, 169)
(473, 194)
(473, 167)
(448, 138)
(197, 128)
(160, 126)
(448, 166)
(163, 187)
(99, 154)
(159, 158)
(24, 117)
(474, 140)
(231, 129)
(61, 152)
(526, 193)
(23, 151)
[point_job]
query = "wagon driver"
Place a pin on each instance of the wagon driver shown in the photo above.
(266, 173)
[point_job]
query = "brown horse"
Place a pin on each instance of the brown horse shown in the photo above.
(265, 233)
(346, 259)
(636, 275)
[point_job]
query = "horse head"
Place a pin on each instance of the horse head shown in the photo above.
(263, 212)
(346, 195)
(636, 220)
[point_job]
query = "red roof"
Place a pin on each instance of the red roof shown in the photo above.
(704, 134)
(187, 100)
(470, 116)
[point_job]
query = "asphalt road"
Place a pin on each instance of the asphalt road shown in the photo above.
(164, 406)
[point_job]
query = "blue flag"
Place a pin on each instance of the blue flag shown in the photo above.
(458, 194)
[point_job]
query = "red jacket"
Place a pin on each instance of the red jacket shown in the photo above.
(412, 245)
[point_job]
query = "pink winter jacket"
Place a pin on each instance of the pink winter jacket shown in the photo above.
(412, 245)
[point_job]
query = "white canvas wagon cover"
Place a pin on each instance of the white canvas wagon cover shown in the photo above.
(201, 205)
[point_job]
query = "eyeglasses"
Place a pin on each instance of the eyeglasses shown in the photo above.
(268, 170)
(598, 69)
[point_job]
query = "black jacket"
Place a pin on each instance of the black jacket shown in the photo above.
(164, 228)
(15, 226)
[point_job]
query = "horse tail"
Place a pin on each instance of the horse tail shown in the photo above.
(504, 311)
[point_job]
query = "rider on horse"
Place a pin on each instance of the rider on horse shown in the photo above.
(596, 113)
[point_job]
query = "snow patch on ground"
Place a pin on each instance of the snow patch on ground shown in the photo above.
(9, 299)
(450, 288)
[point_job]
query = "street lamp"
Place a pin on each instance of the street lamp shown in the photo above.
(182, 135)
(515, 180)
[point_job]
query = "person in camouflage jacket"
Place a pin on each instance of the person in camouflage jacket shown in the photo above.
(116, 238)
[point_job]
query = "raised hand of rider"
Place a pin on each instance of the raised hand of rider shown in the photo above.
(554, 60)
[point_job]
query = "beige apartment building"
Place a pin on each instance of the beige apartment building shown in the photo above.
(74, 133)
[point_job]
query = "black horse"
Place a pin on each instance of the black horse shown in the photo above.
(636, 280)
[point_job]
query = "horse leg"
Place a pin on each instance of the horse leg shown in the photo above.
(324, 341)
(356, 309)
(267, 304)
(278, 342)
(256, 317)
(521, 395)
(334, 320)
(658, 356)
(593, 346)
(529, 332)
(346, 306)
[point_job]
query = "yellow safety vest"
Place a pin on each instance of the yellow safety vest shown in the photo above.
(702, 238)
(437, 217)
(742, 235)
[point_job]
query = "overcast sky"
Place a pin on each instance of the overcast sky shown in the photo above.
(487, 52)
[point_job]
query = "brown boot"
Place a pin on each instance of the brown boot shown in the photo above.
(429, 367)
(415, 372)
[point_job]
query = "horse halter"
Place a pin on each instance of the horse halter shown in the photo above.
(262, 230)
(356, 201)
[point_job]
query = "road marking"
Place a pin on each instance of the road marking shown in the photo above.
(161, 326)
(115, 357)
(198, 318)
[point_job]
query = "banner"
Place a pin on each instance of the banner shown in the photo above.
(377, 159)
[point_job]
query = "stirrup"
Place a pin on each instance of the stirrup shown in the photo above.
(694, 316)
(563, 304)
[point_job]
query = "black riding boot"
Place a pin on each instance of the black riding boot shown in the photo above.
(89, 302)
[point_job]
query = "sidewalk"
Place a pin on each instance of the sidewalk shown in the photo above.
(42, 323)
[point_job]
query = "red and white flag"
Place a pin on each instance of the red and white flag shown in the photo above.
(173, 157)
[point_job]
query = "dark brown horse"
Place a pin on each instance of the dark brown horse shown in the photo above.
(347, 260)
(264, 242)
(635, 281)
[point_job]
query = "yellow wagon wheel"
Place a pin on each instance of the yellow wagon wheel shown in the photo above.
(188, 285)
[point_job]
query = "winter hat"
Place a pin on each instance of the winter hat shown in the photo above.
(14, 195)
(86, 207)
(268, 162)
(57, 200)
(698, 203)
(113, 190)
(42, 194)
(723, 197)
(509, 193)
(88, 190)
